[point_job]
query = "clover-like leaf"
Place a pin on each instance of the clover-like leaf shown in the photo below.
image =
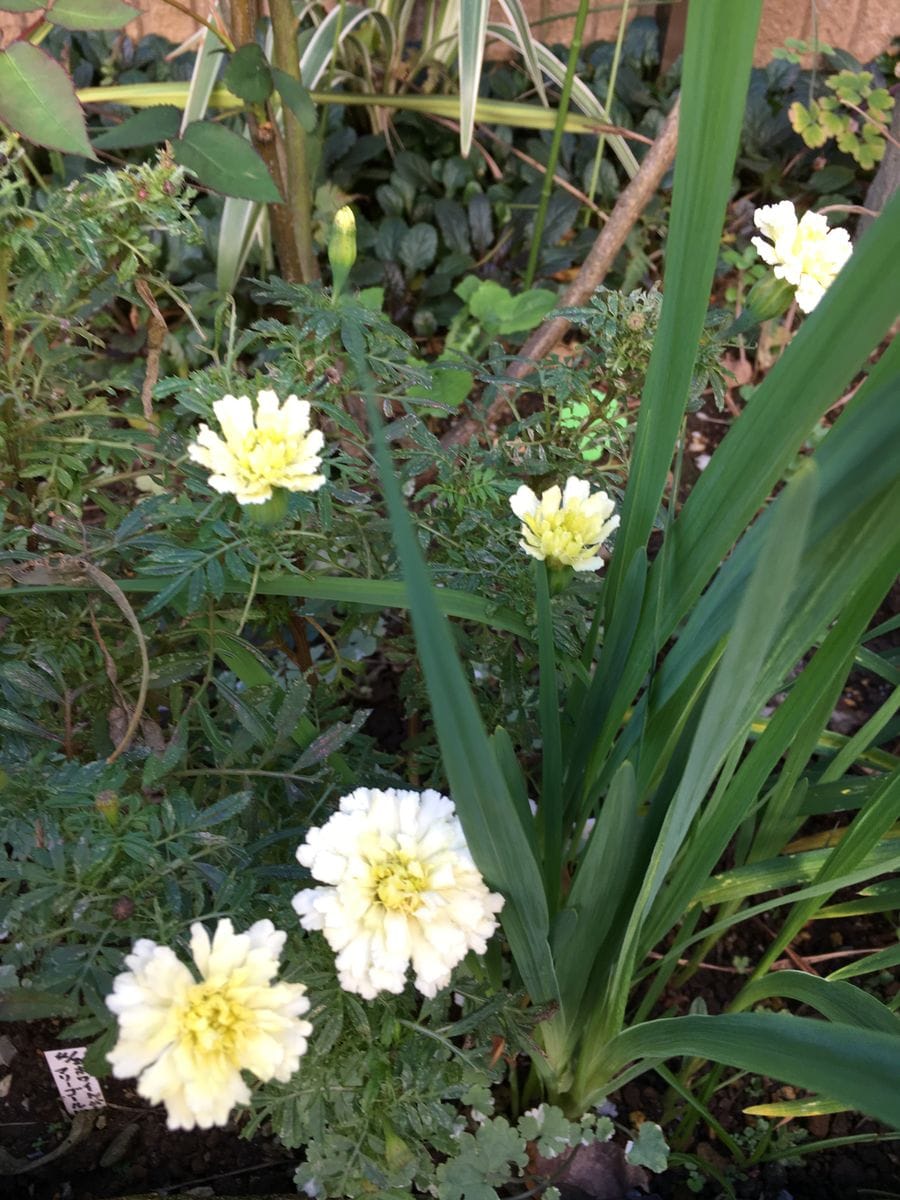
(484, 1162)
(804, 122)
(649, 1149)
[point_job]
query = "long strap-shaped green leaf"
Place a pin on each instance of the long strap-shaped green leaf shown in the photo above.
(473, 19)
(834, 1000)
(732, 700)
(854, 469)
(833, 343)
(718, 53)
(857, 1066)
(870, 826)
(492, 112)
(730, 706)
(856, 462)
(488, 813)
(792, 731)
(375, 593)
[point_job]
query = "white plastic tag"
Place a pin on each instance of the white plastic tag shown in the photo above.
(79, 1091)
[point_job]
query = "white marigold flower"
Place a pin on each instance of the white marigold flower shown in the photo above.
(401, 889)
(806, 253)
(565, 528)
(273, 448)
(188, 1040)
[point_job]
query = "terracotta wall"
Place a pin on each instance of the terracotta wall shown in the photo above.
(864, 27)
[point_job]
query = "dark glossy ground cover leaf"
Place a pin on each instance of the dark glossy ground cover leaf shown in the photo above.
(148, 127)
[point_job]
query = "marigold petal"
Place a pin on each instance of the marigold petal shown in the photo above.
(524, 502)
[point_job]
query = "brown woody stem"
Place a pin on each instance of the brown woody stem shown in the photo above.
(285, 58)
(631, 203)
(244, 15)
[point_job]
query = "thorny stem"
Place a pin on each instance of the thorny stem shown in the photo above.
(628, 208)
(244, 14)
(285, 58)
(883, 129)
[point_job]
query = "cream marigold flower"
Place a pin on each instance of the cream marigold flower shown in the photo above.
(273, 448)
(565, 528)
(402, 889)
(188, 1040)
(806, 253)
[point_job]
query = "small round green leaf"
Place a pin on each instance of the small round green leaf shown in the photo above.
(224, 162)
(248, 74)
(148, 127)
(295, 97)
(38, 101)
(91, 14)
(20, 5)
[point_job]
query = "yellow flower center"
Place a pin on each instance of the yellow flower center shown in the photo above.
(264, 454)
(398, 881)
(562, 534)
(214, 1020)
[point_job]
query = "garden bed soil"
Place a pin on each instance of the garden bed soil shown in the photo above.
(127, 1151)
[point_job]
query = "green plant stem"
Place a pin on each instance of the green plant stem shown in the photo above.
(299, 192)
(550, 808)
(686, 1094)
(244, 14)
(5, 322)
(607, 103)
(562, 111)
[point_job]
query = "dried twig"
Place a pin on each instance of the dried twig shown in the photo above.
(632, 202)
(156, 334)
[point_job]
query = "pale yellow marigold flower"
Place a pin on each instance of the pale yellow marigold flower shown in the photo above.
(189, 1040)
(565, 528)
(401, 889)
(273, 448)
(806, 253)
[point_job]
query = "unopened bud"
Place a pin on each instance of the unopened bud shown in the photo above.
(122, 908)
(342, 248)
(769, 298)
(558, 579)
(270, 513)
(107, 802)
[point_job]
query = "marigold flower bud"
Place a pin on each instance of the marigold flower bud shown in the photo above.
(342, 248)
(107, 802)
